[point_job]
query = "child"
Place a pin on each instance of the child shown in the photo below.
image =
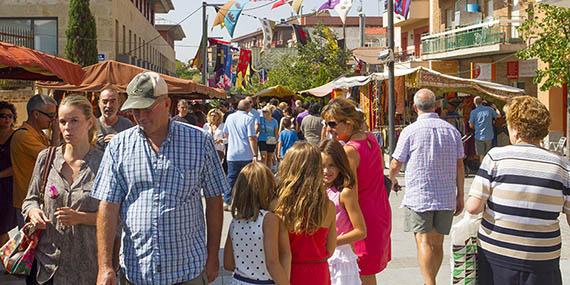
(257, 247)
(287, 138)
(307, 214)
(340, 181)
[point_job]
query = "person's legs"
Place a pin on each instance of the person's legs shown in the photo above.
(234, 168)
(430, 254)
(269, 159)
(368, 279)
(264, 157)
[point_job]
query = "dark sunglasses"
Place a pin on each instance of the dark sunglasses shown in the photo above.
(6, 116)
(49, 115)
(332, 124)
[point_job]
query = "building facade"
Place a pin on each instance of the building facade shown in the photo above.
(126, 29)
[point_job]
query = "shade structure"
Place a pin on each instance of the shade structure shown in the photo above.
(117, 75)
(22, 63)
(276, 91)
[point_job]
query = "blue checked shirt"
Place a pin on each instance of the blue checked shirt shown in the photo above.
(430, 147)
(161, 212)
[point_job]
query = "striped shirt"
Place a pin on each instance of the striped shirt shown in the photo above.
(525, 189)
(431, 148)
(161, 212)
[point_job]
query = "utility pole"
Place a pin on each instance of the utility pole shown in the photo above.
(391, 100)
(204, 44)
(361, 24)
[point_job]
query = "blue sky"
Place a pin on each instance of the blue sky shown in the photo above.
(186, 49)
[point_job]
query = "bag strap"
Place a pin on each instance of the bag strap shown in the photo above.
(45, 171)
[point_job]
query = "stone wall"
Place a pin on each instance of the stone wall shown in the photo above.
(19, 98)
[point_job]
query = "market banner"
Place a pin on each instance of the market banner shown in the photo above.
(513, 70)
(300, 34)
(267, 27)
(222, 69)
(402, 7)
(243, 68)
(483, 71)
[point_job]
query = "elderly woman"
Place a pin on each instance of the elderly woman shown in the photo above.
(8, 217)
(521, 190)
(346, 124)
(67, 253)
(215, 127)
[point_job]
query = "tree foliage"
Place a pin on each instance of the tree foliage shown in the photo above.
(316, 63)
(81, 34)
(184, 71)
(547, 32)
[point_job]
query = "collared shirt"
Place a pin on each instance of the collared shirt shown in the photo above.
(120, 125)
(239, 127)
(482, 119)
(256, 114)
(431, 148)
(62, 251)
(161, 212)
(24, 149)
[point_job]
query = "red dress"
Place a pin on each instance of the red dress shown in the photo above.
(374, 252)
(309, 258)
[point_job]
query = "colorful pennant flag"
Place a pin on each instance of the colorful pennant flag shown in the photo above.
(402, 7)
(229, 14)
(329, 5)
(221, 13)
(295, 4)
(300, 34)
(267, 27)
(280, 3)
(199, 58)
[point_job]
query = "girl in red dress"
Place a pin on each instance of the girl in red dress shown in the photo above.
(307, 213)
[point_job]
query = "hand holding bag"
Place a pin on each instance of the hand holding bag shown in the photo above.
(17, 255)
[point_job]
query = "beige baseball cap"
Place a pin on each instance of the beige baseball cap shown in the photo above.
(143, 90)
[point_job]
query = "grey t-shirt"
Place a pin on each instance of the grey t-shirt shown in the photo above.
(104, 129)
(311, 126)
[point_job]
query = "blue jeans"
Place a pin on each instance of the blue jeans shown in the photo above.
(234, 168)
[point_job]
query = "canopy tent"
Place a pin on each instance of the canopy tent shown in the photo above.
(420, 77)
(22, 63)
(276, 91)
(117, 75)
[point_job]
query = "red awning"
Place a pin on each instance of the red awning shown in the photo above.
(27, 64)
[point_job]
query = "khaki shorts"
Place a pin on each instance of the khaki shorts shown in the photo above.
(424, 222)
(200, 280)
(482, 147)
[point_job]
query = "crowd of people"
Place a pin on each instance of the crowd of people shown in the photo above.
(142, 201)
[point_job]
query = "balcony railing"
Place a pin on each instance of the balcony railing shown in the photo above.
(496, 32)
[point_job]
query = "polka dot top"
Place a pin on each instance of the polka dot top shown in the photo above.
(247, 242)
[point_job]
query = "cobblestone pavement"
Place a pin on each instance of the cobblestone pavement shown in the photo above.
(403, 269)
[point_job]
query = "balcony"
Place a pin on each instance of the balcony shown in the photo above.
(495, 37)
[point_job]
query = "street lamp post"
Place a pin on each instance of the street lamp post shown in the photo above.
(391, 101)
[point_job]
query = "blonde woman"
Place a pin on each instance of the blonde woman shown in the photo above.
(215, 127)
(68, 243)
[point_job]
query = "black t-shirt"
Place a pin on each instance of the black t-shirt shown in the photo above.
(188, 119)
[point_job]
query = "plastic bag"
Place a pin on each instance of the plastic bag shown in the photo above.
(464, 250)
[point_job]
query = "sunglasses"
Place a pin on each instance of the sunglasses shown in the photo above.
(6, 116)
(332, 124)
(49, 115)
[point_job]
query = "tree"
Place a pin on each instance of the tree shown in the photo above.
(81, 33)
(184, 71)
(547, 30)
(318, 62)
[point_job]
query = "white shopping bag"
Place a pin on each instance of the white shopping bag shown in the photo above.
(464, 250)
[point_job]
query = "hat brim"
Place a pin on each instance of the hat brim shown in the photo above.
(137, 103)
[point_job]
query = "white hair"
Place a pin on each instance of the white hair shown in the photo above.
(424, 103)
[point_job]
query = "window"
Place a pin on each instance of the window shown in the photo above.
(124, 38)
(116, 37)
(130, 41)
(39, 34)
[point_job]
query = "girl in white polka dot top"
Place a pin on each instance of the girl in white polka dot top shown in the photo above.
(257, 246)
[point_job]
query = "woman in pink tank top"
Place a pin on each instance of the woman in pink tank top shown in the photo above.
(345, 123)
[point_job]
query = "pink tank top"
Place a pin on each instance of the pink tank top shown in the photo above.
(343, 224)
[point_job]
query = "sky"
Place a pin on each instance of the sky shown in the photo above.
(186, 49)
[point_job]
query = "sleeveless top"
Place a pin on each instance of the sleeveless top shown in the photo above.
(343, 224)
(247, 242)
(309, 248)
(373, 200)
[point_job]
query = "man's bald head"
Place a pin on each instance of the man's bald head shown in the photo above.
(424, 100)
(244, 105)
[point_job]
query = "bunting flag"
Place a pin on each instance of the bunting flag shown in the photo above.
(229, 14)
(280, 3)
(295, 4)
(300, 34)
(402, 7)
(243, 68)
(342, 9)
(329, 5)
(222, 69)
(199, 58)
(267, 27)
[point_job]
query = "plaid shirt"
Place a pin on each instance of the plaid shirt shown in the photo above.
(430, 147)
(161, 212)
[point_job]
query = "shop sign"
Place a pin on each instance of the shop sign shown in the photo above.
(527, 68)
(513, 70)
(483, 71)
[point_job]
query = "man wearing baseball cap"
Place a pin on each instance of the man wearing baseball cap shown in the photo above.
(151, 179)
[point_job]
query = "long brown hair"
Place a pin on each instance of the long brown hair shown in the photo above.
(254, 190)
(346, 177)
(302, 202)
